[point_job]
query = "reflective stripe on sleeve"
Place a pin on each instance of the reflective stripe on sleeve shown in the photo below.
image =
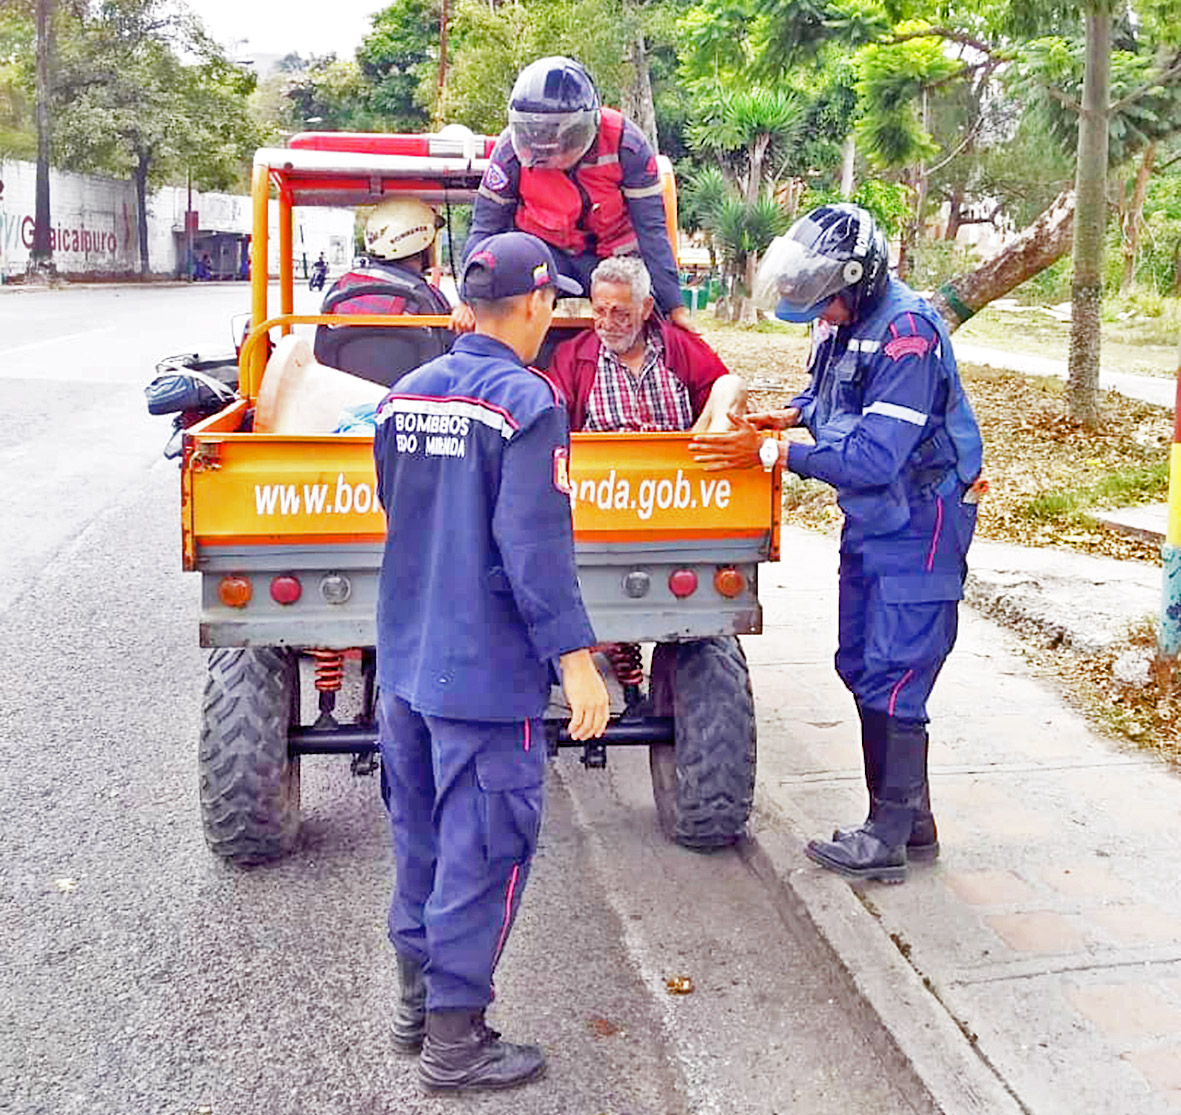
(644, 191)
(893, 410)
(483, 191)
(864, 346)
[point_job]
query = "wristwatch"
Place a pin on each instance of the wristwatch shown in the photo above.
(769, 453)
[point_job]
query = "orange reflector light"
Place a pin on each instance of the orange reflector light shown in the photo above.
(682, 583)
(729, 582)
(286, 589)
(235, 592)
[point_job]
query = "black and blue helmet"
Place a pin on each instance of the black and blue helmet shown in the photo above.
(553, 113)
(835, 249)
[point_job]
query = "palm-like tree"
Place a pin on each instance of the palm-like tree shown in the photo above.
(750, 133)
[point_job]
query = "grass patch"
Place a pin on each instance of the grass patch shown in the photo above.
(1123, 488)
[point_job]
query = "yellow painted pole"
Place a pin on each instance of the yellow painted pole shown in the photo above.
(286, 257)
(250, 374)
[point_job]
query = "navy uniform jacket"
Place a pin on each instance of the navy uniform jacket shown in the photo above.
(892, 425)
(478, 591)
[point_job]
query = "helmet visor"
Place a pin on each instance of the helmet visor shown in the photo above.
(552, 140)
(795, 280)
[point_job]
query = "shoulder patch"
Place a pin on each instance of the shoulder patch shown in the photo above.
(911, 345)
(495, 177)
(562, 470)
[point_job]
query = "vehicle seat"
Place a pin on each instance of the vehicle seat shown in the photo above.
(375, 353)
(300, 396)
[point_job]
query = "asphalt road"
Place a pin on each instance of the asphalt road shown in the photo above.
(140, 975)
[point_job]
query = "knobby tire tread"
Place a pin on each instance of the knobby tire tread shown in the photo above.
(249, 785)
(716, 742)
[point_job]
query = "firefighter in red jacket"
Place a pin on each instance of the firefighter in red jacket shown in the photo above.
(579, 176)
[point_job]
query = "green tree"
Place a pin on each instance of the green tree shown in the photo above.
(398, 56)
(126, 104)
(490, 43)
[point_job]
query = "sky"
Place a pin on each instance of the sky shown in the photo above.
(272, 28)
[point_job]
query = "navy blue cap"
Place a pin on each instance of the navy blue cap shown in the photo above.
(512, 263)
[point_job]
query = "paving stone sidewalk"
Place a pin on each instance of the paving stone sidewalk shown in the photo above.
(1037, 966)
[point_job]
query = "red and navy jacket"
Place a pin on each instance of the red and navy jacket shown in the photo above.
(610, 203)
(574, 367)
(478, 593)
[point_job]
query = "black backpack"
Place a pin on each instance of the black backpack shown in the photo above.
(374, 353)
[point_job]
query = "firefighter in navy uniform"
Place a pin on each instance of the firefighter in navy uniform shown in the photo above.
(478, 602)
(580, 176)
(895, 435)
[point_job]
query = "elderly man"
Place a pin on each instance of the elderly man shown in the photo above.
(632, 372)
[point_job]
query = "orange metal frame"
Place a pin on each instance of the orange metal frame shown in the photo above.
(626, 487)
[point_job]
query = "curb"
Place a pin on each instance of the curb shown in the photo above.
(928, 1037)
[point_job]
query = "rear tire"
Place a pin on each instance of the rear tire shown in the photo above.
(703, 784)
(249, 783)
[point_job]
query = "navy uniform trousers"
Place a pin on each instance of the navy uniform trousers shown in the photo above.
(465, 804)
(898, 606)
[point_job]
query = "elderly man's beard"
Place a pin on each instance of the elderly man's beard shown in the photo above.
(619, 341)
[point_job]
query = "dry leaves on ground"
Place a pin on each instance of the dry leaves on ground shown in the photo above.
(1031, 447)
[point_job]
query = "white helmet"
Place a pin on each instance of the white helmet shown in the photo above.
(399, 227)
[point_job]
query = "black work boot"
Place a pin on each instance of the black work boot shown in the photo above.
(410, 1013)
(878, 850)
(923, 844)
(460, 1054)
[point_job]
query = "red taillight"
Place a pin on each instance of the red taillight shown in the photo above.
(235, 592)
(682, 583)
(286, 590)
(729, 582)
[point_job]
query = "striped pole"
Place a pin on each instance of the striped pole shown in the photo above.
(1169, 633)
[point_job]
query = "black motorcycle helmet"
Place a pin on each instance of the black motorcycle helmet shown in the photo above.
(836, 249)
(553, 113)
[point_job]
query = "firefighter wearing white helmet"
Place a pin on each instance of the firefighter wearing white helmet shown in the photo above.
(399, 234)
(400, 228)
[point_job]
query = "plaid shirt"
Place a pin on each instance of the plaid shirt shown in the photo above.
(655, 399)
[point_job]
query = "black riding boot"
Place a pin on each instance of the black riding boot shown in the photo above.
(462, 1054)
(410, 1013)
(877, 850)
(923, 844)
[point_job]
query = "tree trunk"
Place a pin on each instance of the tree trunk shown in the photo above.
(848, 162)
(41, 254)
(639, 105)
(747, 312)
(1090, 222)
(757, 160)
(955, 214)
(1134, 218)
(141, 203)
(1045, 241)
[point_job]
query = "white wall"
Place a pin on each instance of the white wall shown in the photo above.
(94, 231)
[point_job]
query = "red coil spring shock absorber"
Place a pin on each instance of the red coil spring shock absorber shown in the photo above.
(329, 675)
(628, 663)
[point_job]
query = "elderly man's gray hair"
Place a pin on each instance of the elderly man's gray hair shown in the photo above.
(628, 271)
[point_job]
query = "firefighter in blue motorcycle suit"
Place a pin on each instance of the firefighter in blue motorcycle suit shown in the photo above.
(478, 610)
(895, 435)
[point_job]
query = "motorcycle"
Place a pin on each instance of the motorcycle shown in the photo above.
(319, 275)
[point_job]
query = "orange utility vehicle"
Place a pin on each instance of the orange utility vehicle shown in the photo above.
(286, 532)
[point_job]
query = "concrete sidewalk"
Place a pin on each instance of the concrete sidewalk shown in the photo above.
(1161, 390)
(1037, 966)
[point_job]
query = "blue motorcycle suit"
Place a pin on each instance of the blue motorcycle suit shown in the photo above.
(895, 435)
(478, 596)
